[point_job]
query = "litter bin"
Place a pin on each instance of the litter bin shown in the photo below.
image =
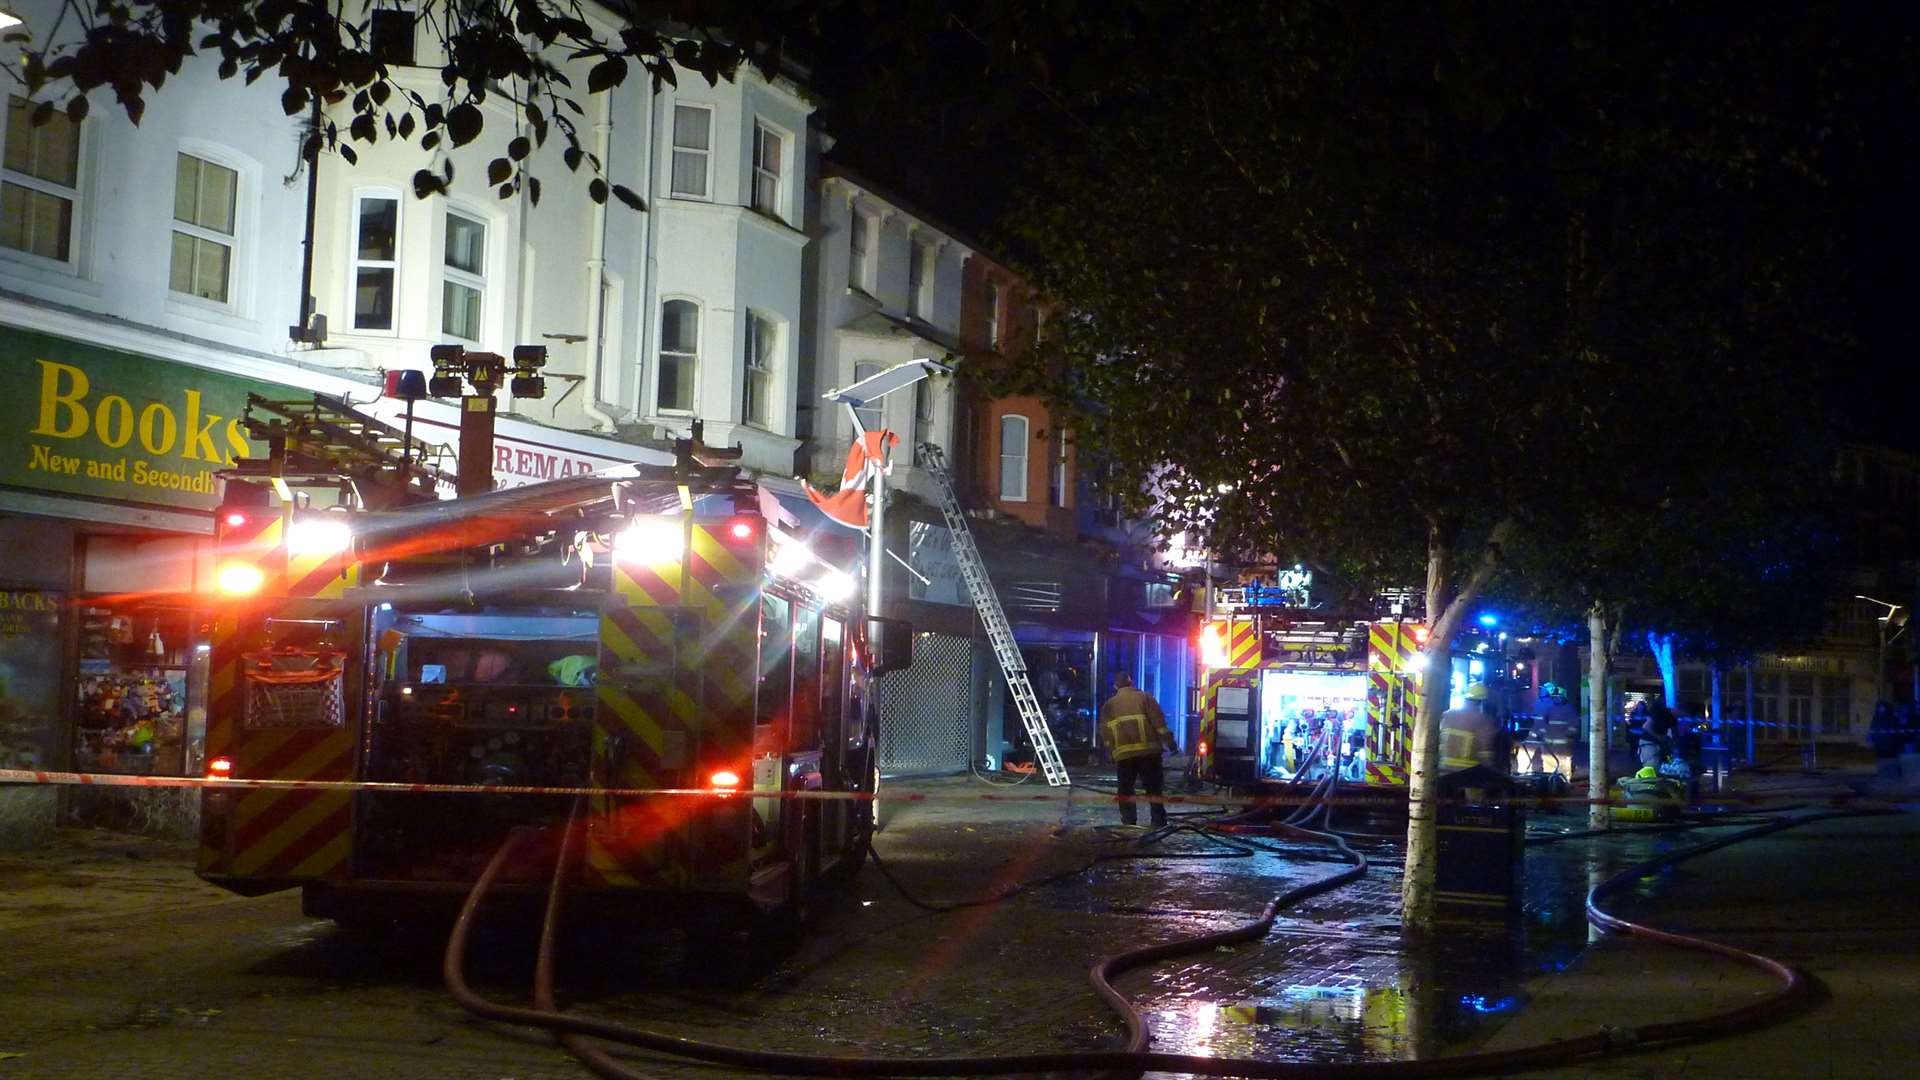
(1482, 839)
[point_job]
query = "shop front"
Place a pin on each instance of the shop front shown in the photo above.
(108, 478)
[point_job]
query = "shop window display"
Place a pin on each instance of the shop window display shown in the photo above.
(31, 627)
(136, 681)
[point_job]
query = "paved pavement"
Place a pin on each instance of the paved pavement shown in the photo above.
(118, 962)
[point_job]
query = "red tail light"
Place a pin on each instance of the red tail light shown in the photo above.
(724, 780)
(741, 529)
(234, 519)
(220, 768)
(1203, 749)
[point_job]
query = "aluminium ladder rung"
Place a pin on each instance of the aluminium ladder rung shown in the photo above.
(999, 633)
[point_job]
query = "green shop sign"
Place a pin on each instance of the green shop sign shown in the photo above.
(84, 420)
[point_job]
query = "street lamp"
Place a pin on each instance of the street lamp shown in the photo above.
(1880, 668)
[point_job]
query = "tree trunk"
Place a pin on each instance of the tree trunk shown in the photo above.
(1598, 720)
(1661, 645)
(1446, 610)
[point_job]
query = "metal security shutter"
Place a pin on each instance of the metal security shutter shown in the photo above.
(926, 711)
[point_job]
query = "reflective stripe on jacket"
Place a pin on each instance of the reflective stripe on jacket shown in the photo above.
(1133, 724)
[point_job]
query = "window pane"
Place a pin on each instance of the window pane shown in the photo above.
(35, 222)
(1013, 457)
(373, 299)
(379, 222)
(806, 680)
(830, 677)
(679, 326)
(186, 187)
(689, 173)
(57, 150)
(776, 660)
(217, 184)
(676, 382)
(690, 124)
(19, 134)
(460, 310)
(48, 152)
(466, 244)
(766, 192)
(203, 193)
(199, 267)
(922, 403)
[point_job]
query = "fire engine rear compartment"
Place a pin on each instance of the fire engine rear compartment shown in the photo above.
(496, 696)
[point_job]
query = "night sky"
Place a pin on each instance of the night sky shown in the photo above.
(938, 119)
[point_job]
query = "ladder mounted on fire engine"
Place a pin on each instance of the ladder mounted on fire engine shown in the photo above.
(322, 440)
(999, 633)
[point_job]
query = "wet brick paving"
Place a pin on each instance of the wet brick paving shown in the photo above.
(202, 983)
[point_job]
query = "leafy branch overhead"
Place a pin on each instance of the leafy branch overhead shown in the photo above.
(364, 71)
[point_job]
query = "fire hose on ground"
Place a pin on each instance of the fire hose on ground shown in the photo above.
(574, 1031)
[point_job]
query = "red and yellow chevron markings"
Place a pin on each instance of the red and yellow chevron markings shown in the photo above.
(678, 645)
(268, 833)
(1393, 698)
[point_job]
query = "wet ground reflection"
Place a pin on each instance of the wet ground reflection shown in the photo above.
(1334, 981)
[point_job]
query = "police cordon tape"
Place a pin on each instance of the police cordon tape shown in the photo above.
(891, 795)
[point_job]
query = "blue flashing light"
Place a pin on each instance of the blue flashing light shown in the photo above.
(1489, 619)
(1479, 1003)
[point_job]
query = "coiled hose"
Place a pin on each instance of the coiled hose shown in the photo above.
(1135, 1057)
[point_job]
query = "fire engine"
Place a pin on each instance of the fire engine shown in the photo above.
(1289, 694)
(597, 637)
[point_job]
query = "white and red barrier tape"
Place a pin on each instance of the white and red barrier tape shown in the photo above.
(893, 793)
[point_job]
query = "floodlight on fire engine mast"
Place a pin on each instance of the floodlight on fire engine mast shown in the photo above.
(858, 396)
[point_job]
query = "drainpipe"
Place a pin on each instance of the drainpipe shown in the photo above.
(649, 284)
(597, 276)
(304, 331)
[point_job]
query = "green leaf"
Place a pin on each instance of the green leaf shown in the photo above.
(519, 148)
(77, 107)
(348, 155)
(533, 189)
(464, 123)
(293, 99)
(572, 155)
(597, 190)
(406, 125)
(606, 74)
(498, 170)
(425, 183)
(625, 195)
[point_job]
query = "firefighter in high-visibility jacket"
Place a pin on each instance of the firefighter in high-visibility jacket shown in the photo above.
(1134, 729)
(1470, 735)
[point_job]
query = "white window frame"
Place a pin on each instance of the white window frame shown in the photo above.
(453, 275)
(763, 130)
(1025, 437)
(767, 337)
(77, 195)
(920, 286)
(355, 263)
(230, 241)
(873, 416)
(674, 150)
(995, 314)
(859, 256)
(660, 352)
